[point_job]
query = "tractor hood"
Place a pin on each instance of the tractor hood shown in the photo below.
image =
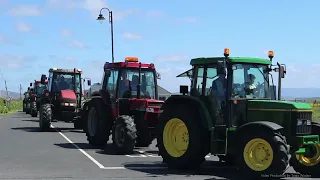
(68, 95)
(279, 112)
(146, 104)
(277, 105)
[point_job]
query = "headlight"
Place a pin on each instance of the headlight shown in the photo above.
(149, 110)
(309, 122)
(299, 122)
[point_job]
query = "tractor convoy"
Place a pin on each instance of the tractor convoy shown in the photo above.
(228, 113)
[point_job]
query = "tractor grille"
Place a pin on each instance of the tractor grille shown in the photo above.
(155, 104)
(302, 122)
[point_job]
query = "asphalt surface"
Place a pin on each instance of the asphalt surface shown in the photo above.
(64, 153)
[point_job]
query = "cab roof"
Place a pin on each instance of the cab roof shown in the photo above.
(39, 81)
(211, 60)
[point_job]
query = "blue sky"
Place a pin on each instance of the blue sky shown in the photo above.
(38, 34)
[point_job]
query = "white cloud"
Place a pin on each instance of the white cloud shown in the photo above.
(77, 44)
(129, 35)
(25, 10)
(13, 61)
(23, 27)
(172, 58)
(66, 32)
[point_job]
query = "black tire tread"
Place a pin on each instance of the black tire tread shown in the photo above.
(103, 127)
(195, 155)
(45, 117)
(34, 111)
(131, 134)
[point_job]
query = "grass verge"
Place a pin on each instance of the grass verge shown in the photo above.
(13, 106)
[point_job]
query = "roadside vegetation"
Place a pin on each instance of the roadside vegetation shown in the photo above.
(13, 106)
(315, 112)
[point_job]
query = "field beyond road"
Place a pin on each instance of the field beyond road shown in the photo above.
(13, 106)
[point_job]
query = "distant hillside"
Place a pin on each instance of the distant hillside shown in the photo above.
(13, 95)
(300, 92)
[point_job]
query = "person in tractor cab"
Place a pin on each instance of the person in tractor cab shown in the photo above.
(251, 87)
(219, 87)
(125, 84)
(63, 84)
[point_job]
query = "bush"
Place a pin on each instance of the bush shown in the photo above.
(13, 106)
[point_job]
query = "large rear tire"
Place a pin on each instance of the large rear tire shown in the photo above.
(183, 143)
(28, 108)
(34, 111)
(124, 134)
(309, 164)
(24, 107)
(263, 153)
(45, 117)
(98, 128)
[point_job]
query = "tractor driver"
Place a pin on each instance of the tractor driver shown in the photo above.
(251, 87)
(219, 87)
(63, 84)
(125, 84)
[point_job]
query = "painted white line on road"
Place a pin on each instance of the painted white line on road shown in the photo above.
(81, 150)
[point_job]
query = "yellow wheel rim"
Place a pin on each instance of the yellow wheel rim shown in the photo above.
(175, 137)
(310, 161)
(258, 154)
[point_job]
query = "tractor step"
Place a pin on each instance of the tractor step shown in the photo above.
(218, 139)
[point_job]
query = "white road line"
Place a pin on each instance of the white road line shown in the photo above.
(120, 167)
(76, 146)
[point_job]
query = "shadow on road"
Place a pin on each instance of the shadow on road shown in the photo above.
(31, 129)
(221, 171)
(31, 120)
(109, 149)
(212, 168)
(80, 145)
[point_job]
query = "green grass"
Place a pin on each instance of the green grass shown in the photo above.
(13, 106)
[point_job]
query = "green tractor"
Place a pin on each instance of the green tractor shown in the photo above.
(228, 113)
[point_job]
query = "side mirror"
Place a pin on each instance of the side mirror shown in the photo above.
(89, 82)
(282, 71)
(28, 88)
(30, 84)
(43, 78)
(184, 89)
(158, 75)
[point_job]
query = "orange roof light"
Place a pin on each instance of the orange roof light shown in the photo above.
(226, 52)
(270, 54)
(132, 59)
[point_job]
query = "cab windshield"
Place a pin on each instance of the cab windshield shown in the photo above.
(129, 80)
(40, 87)
(250, 81)
(66, 81)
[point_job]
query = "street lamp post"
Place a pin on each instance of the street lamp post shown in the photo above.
(101, 19)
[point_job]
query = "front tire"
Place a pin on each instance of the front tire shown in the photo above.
(263, 153)
(34, 111)
(45, 117)
(124, 134)
(183, 143)
(308, 164)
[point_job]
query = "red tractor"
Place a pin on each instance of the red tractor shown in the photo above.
(126, 107)
(38, 89)
(62, 98)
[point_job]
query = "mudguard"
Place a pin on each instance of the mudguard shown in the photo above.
(192, 102)
(264, 125)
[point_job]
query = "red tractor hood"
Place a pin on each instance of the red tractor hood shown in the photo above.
(68, 94)
(145, 103)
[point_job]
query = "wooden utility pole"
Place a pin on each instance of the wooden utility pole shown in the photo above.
(20, 88)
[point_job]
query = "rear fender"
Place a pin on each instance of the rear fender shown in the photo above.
(192, 102)
(45, 100)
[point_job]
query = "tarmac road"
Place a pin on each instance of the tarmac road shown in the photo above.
(64, 153)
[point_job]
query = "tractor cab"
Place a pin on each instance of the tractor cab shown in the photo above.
(131, 84)
(64, 91)
(39, 87)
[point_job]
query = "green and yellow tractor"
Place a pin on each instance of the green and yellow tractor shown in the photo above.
(228, 113)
